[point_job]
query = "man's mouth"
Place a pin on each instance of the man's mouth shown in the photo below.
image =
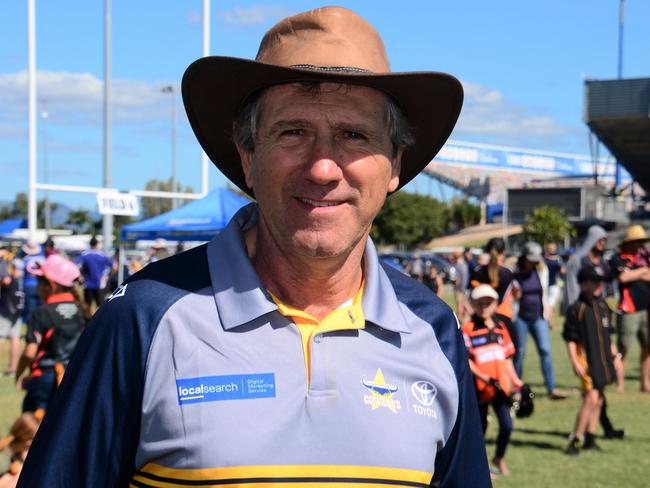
(319, 203)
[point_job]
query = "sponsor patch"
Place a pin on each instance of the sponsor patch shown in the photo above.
(425, 393)
(228, 387)
(381, 393)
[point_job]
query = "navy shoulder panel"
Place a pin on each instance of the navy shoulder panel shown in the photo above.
(94, 418)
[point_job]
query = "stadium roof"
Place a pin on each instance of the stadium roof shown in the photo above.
(618, 113)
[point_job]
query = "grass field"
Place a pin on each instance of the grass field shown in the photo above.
(535, 454)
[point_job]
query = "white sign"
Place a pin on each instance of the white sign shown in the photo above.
(115, 203)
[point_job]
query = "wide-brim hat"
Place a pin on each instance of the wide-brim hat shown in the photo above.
(31, 248)
(330, 44)
(635, 233)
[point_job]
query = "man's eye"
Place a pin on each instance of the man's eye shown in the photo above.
(292, 132)
(350, 134)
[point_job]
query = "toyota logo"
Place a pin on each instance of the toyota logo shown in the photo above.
(424, 392)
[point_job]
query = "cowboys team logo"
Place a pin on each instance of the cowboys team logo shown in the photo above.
(381, 393)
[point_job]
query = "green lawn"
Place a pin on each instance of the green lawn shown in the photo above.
(535, 454)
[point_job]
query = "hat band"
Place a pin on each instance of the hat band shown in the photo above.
(333, 69)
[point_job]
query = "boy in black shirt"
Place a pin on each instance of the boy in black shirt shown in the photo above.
(593, 356)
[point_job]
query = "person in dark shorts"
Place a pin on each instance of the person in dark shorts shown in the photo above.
(95, 268)
(593, 356)
(52, 332)
(630, 268)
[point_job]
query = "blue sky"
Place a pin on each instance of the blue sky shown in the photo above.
(522, 65)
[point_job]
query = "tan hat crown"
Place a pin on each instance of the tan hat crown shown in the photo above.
(635, 233)
(325, 37)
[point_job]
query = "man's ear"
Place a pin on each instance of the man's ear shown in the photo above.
(396, 168)
(246, 158)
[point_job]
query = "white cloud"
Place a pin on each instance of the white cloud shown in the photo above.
(487, 112)
(76, 98)
(194, 17)
(255, 15)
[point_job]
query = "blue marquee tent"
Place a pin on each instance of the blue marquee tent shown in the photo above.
(199, 220)
(10, 225)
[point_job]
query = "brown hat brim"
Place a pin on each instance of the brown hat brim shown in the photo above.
(215, 88)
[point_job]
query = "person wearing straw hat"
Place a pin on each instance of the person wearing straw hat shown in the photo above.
(283, 352)
(630, 268)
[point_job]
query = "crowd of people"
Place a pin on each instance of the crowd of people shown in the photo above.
(46, 300)
(501, 301)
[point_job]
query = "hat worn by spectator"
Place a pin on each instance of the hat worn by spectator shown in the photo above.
(588, 273)
(31, 248)
(635, 233)
(56, 268)
(482, 291)
(327, 45)
(533, 252)
(159, 243)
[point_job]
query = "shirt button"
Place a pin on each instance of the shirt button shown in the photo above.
(317, 339)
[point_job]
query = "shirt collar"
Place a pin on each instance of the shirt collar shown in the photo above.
(60, 297)
(241, 297)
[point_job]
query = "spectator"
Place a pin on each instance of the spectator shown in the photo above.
(52, 332)
(629, 267)
(18, 441)
(96, 268)
(158, 250)
(470, 259)
(461, 284)
(433, 279)
(593, 357)
(32, 254)
(555, 266)
(530, 291)
(590, 255)
(495, 274)
(490, 360)
(12, 303)
(49, 247)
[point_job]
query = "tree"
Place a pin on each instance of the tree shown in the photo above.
(18, 209)
(462, 214)
(155, 206)
(410, 219)
(80, 221)
(548, 224)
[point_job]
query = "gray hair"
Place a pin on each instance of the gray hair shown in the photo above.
(245, 124)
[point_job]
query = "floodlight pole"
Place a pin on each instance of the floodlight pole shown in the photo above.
(107, 221)
(31, 82)
(621, 18)
(206, 52)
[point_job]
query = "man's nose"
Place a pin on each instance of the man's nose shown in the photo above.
(325, 159)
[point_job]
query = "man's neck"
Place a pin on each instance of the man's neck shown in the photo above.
(315, 285)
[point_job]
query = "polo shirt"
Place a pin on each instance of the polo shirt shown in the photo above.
(190, 375)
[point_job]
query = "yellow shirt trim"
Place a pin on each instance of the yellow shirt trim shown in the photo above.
(348, 316)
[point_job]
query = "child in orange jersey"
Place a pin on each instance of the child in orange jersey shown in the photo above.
(490, 351)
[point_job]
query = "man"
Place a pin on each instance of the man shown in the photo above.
(461, 284)
(95, 269)
(630, 268)
(282, 352)
(12, 302)
(32, 254)
(555, 266)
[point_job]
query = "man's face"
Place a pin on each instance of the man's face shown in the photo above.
(321, 167)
